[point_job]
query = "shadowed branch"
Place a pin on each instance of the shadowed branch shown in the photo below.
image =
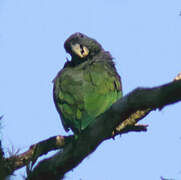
(122, 116)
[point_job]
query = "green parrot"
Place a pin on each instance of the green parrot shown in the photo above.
(87, 85)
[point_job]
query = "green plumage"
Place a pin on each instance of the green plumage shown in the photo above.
(86, 86)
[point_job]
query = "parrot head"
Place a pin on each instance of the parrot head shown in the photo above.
(81, 47)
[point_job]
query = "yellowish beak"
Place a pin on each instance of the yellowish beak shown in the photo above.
(81, 51)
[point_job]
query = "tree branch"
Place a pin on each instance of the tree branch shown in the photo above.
(9, 165)
(124, 114)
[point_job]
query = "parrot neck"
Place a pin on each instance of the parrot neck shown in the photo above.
(75, 61)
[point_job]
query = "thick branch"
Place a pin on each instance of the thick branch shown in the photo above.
(141, 99)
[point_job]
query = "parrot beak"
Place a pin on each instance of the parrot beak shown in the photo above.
(80, 50)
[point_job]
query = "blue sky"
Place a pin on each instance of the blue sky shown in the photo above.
(144, 38)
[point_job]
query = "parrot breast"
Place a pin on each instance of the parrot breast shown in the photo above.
(83, 92)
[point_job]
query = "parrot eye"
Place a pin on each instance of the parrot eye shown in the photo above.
(81, 35)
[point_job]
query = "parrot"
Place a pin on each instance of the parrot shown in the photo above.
(87, 85)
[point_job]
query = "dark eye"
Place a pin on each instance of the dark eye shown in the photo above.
(81, 35)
